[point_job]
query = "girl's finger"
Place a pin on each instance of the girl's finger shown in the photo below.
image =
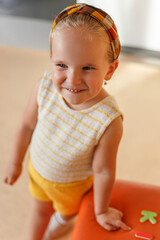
(109, 227)
(122, 225)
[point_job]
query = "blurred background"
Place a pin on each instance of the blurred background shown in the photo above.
(23, 22)
(24, 56)
(26, 23)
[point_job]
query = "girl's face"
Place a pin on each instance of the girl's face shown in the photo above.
(79, 67)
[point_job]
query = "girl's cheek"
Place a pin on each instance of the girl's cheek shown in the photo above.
(55, 74)
(58, 78)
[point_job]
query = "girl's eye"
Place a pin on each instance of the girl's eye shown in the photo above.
(88, 68)
(61, 65)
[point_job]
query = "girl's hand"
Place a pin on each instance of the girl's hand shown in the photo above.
(13, 172)
(111, 220)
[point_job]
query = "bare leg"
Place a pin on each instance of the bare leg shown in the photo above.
(41, 214)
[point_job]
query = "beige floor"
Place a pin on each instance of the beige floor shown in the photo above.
(135, 85)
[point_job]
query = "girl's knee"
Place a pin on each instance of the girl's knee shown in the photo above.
(67, 217)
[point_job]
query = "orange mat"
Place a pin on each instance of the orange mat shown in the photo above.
(129, 197)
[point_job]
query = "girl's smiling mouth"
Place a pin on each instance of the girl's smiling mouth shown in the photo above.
(74, 90)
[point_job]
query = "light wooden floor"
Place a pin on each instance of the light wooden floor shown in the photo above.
(136, 87)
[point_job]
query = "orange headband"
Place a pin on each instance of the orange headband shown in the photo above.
(102, 17)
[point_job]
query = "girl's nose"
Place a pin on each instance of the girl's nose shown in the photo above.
(74, 77)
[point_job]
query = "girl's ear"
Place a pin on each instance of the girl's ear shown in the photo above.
(112, 67)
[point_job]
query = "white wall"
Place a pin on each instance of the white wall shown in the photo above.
(138, 21)
(24, 32)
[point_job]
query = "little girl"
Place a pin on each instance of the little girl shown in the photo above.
(73, 126)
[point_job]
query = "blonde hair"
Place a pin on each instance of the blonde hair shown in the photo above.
(91, 26)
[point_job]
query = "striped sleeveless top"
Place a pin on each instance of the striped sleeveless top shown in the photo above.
(64, 140)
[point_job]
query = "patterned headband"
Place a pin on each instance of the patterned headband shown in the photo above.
(102, 17)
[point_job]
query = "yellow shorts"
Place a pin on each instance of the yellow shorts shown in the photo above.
(66, 198)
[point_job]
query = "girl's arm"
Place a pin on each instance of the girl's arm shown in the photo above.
(22, 138)
(104, 167)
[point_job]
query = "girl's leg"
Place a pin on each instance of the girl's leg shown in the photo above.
(59, 225)
(41, 214)
(67, 217)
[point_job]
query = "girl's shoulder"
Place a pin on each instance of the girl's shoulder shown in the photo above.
(108, 109)
(46, 83)
(46, 88)
(46, 79)
(109, 105)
